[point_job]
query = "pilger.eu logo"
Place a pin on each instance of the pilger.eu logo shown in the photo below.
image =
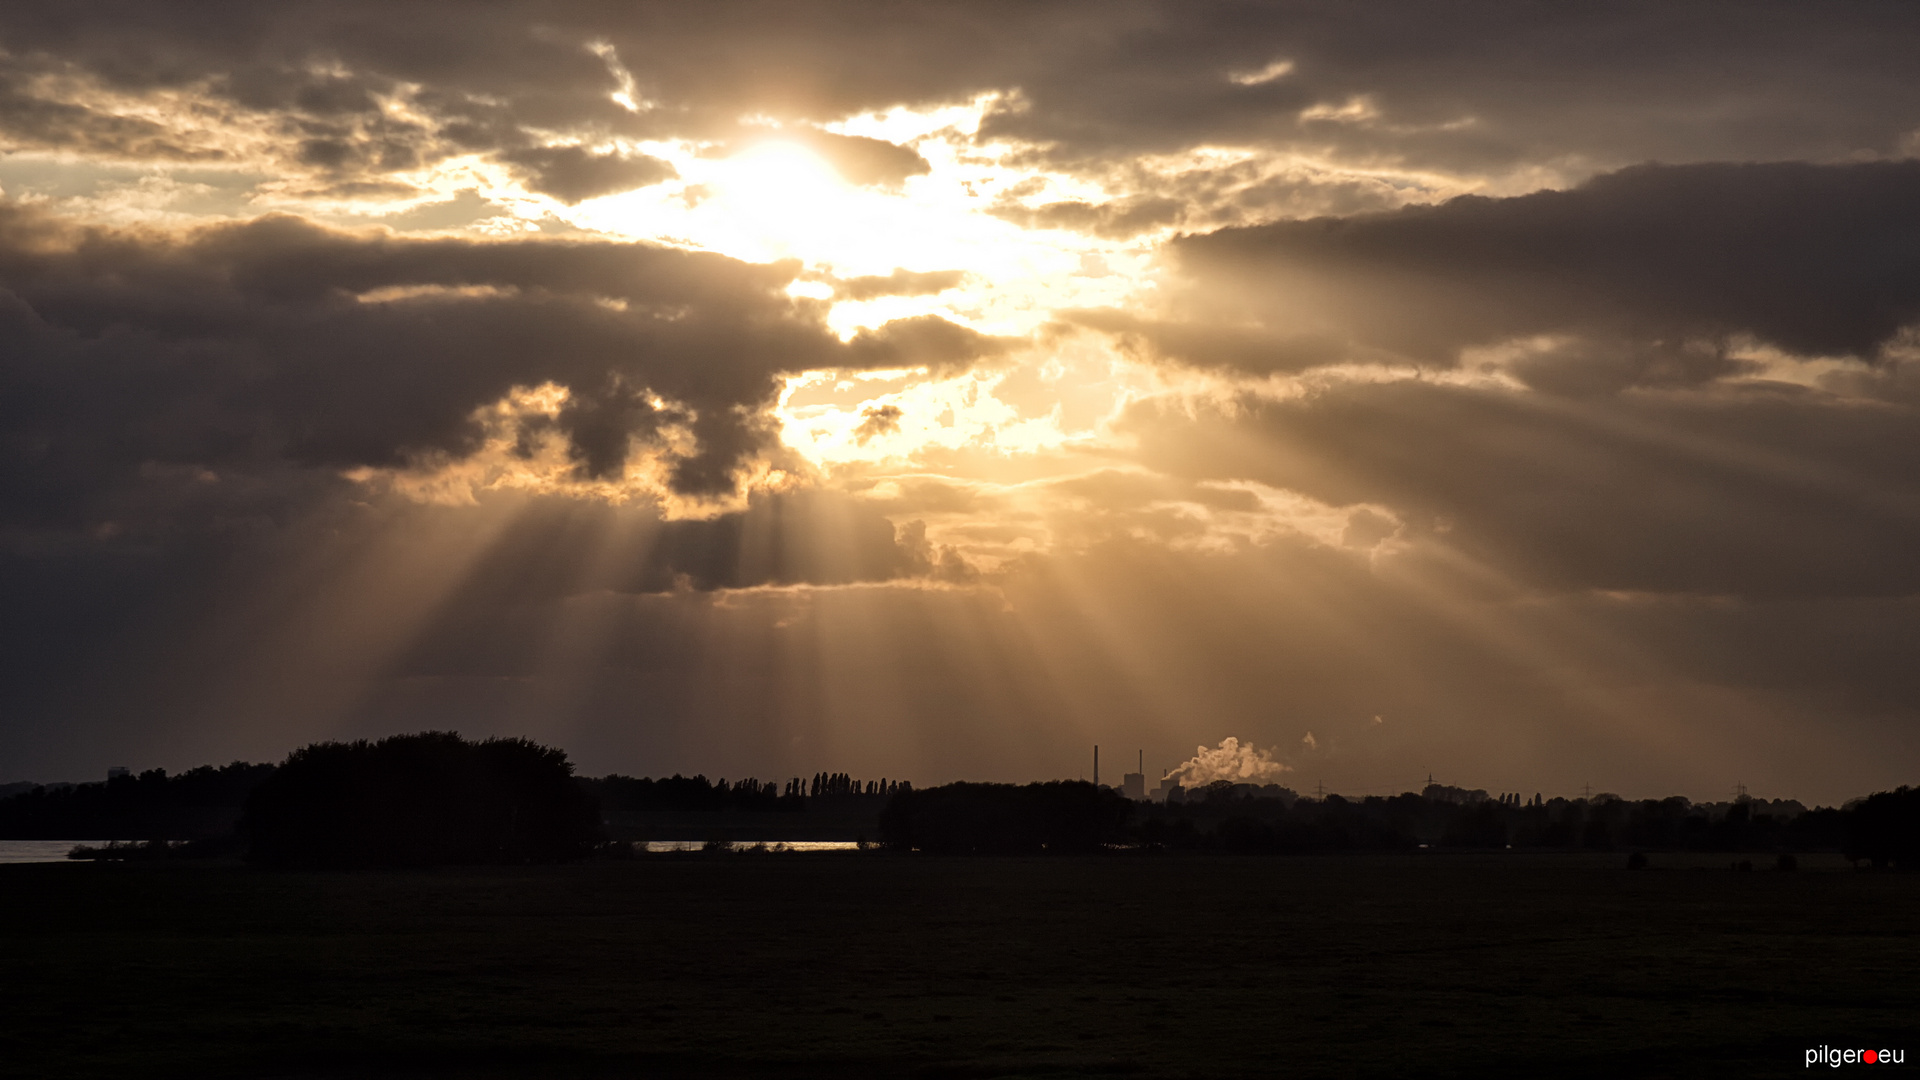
(1835, 1057)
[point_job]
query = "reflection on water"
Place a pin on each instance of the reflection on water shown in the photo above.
(749, 845)
(21, 851)
(42, 851)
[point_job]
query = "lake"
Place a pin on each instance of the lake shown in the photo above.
(40, 851)
(746, 845)
(29, 851)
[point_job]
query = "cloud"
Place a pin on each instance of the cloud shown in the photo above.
(923, 340)
(573, 173)
(1116, 220)
(861, 160)
(32, 122)
(279, 343)
(1814, 259)
(881, 420)
(1762, 492)
(360, 88)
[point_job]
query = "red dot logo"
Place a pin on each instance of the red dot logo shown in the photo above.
(1869, 1056)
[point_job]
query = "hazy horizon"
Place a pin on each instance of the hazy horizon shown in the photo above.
(1238, 764)
(1519, 395)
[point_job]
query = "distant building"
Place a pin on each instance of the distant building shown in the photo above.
(1134, 786)
(1169, 791)
(118, 771)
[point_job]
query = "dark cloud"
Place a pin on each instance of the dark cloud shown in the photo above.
(1818, 260)
(877, 420)
(573, 173)
(176, 410)
(30, 122)
(1435, 87)
(1757, 493)
(923, 340)
(1097, 83)
(276, 341)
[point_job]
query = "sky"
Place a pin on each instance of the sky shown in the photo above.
(1525, 395)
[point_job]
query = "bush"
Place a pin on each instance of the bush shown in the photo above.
(420, 800)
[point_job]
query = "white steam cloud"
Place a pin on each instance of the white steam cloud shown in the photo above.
(1230, 761)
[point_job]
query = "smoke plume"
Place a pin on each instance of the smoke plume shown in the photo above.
(1230, 761)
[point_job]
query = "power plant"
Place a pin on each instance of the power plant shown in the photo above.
(1134, 784)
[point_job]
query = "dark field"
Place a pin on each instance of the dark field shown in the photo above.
(871, 965)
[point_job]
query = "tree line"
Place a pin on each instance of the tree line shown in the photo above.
(640, 794)
(435, 797)
(197, 804)
(407, 800)
(1071, 816)
(1881, 829)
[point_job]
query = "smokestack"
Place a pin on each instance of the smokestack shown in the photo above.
(1096, 764)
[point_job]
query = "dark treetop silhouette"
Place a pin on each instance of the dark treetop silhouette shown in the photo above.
(416, 800)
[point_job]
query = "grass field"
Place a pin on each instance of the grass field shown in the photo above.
(872, 965)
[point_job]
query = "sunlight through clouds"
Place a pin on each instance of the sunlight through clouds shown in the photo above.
(961, 383)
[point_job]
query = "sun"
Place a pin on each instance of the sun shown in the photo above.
(781, 200)
(780, 180)
(777, 195)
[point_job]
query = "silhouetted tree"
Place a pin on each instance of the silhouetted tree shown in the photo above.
(416, 800)
(1884, 828)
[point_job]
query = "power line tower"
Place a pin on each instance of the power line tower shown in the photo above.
(1586, 792)
(1320, 791)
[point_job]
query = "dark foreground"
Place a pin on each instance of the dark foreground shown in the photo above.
(864, 965)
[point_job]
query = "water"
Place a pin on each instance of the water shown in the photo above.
(22, 851)
(770, 845)
(41, 851)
